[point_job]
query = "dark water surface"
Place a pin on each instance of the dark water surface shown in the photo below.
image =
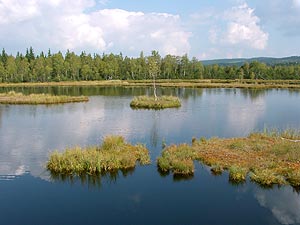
(29, 195)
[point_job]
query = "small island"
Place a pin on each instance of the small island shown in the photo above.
(148, 102)
(155, 102)
(268, 158)
(114, 154)
(36, 99)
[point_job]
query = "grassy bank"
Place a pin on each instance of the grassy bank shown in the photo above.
(149, 102)
(268, 158)
(197, 83)
(35, 99)
(113, 154)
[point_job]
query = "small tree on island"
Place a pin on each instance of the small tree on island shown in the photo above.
(154, 69)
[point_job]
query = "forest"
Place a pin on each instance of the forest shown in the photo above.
(46, 67)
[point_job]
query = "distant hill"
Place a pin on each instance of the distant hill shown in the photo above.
(267, 60)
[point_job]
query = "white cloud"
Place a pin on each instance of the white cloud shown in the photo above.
(243, 28)
(142, 31)
(235, 31)
(76, 25)
(12, 11)
(296, 3)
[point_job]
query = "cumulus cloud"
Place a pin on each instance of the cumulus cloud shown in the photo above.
(140, 31)
(232, 32)
(77, 25)
(243, 28)
(237, 26)
(12, 11)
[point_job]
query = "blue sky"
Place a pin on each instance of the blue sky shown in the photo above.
(206, 29)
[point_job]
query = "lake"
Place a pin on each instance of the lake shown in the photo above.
(30, 195)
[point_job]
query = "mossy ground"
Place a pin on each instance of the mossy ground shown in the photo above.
(146, 102)
(35, 99)
(113, 154)
(267, 158)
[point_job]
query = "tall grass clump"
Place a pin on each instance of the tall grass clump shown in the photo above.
(35, 99)
(113, 154)
(178, 159)
(237, 174)
(148, 102)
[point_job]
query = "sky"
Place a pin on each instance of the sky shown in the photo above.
(206, 29)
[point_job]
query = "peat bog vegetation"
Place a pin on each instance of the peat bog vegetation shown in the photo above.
(35, 99)
(114, 154)
(149, 102)
(192, 83)
(268, 158)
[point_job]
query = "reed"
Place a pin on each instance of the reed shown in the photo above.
(113, 154)
(36, 99)
(146, 102)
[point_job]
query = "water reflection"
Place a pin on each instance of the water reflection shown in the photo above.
(0, 117)
(284, 203)
(154, 129)
(244, 114)
(94, 181)
(176, 177)
(253, 94)
(183, 93)
(29, 133)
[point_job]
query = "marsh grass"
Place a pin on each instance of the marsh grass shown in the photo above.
(237, 174)
(267, 158)
(113, 154)
(177, 159)
(267, 177)
(198, 83)
(35, 99)
(148, 102)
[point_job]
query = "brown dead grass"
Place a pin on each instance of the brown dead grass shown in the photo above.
(266, 159)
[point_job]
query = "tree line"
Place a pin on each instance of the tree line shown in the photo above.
(42, 67)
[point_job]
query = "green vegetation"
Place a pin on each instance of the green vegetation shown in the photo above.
(145, 102)
(196, 83)
(114, 154)
(269, 158)
(178, 159)
(34, 99)
(56, 67)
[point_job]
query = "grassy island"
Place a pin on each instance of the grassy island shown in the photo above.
(113, 154)
(145, 102)
(268, 159)
(35, 99)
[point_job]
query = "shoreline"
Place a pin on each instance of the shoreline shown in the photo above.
(250, 84)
